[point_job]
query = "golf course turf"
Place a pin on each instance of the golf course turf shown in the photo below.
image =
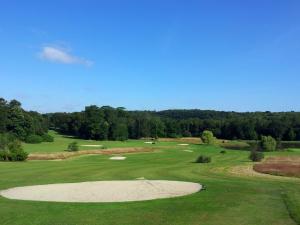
(228, 199)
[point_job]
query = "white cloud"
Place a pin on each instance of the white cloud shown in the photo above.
(55, 54)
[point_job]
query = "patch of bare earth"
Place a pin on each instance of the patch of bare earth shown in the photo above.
(281, 166)
(66, 155)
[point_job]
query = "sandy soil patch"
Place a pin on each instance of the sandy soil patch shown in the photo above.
(91, 145)
(103, 191)
(117, 158)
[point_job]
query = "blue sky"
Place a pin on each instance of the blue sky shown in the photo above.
(222, 55)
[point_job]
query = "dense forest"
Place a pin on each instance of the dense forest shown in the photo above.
(105, 122)
(108, 123)
(20, 123)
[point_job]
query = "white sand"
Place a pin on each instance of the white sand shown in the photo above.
(117, 158)
(103, 191)
(188, 150)
(148, 142)
(91, 145)
(183, 144)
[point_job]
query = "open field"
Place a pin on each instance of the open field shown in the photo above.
(229, 198)
(61, 143)
(110, 151)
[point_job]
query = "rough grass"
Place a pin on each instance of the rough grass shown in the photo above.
(66, 155)
(234, 145)
(61, 143)
(190, 140)
(281, 166)
(229, 199)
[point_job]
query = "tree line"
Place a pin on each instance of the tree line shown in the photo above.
(20, 123)
(108, 123)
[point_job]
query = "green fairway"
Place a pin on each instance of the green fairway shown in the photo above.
(61, 143)
(229, 199)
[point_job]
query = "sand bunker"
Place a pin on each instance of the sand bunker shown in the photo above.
(117, 158)
(91, 145)
(188, 150)
(103, 191)
(148, 142)
(183, 144)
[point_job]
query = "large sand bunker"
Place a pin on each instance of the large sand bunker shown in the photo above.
(103, 191)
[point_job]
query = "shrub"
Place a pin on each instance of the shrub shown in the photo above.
(223, 152)
(73, 146)
(13, 151)
(5, 139)
(256, 156)
(19, 155)
(268, 143)
(34, 139)
(203, 159)
(47, 138)
(208, 137)
(4, 155)
(14, 145)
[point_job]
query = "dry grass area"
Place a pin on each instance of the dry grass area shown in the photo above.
(66, 155)
(248, 171)
(238, 145)
(229, 144)
(190, 140)
(281, 166)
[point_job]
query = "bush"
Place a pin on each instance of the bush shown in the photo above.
(34, 139)
(4, 155)
(13, 151)
(5, 139)
(256, 156)
(14, 145)
(208, 137)
(268, 143)
(203, 159)
(19, 155)
(73, 146)
(223, 152)
(47, 138)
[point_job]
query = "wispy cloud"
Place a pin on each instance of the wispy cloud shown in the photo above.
(59, 55)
